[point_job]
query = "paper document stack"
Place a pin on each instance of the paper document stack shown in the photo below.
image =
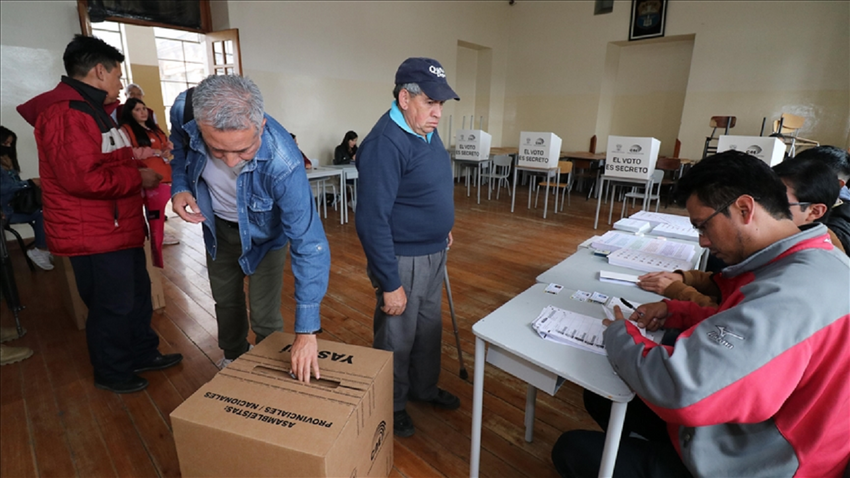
(647, 261)
(614, 240)
(677, 231)
(656, 218)
(632, 225)
(565, 327)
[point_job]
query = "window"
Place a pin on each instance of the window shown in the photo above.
(182, 62)
(113, 34)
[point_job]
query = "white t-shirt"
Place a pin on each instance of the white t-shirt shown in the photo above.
(221, 181)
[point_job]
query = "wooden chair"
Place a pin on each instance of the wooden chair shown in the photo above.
(726, 122)
(671, 168)
(786, 129)
(584, 170)
(566, 167)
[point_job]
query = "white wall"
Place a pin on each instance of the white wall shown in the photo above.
(328, 67)
(750, 59)
(33, 36)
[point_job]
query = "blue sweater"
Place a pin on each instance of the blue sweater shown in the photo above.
(405, 205)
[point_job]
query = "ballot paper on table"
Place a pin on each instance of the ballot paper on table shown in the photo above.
(577, 330)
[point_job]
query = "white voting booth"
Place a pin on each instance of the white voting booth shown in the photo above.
(537, 152)
(473, 150)
(768, 149)
(472, 145)
(631, 160)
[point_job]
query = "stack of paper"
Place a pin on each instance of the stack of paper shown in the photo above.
(632, 225)
(614, 240)
(656, 218)
(677, 231)
(647, 261)
(570, 328)
(618, 278)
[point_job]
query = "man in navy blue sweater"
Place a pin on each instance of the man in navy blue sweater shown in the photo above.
(405, 214)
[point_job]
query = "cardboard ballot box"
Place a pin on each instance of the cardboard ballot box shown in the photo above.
(630, 157)
(473, 145)
(768, 149)
(254, 419)
(538, 150)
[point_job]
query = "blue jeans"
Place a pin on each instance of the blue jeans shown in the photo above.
(36, 220)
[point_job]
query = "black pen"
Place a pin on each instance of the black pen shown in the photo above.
(629, 305)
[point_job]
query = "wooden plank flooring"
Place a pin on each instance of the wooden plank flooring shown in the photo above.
(53, 422)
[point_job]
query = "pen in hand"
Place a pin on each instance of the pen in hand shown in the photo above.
(629, 305)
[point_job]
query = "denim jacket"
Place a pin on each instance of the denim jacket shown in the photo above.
(275, 206)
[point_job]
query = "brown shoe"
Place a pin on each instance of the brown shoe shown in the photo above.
(10, 333)
(14, 354)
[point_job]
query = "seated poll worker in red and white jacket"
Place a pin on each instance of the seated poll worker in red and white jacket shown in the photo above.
(759, 385)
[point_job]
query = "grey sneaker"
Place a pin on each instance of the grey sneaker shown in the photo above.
(224, 362)
(40, 258)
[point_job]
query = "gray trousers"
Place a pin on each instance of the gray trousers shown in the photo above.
(415, 337)
(227, 282)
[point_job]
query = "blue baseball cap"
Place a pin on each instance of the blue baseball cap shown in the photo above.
(429, 75)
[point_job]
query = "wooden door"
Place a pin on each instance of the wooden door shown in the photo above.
(223, 55)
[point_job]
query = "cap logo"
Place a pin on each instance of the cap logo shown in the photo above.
(438, 72)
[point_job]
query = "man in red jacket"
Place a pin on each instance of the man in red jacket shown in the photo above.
(91, 187)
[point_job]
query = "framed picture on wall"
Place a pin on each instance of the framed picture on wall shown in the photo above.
(648, 19)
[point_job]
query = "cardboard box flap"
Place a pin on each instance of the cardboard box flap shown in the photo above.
(267, 414)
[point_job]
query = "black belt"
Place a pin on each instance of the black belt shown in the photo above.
(231, 224)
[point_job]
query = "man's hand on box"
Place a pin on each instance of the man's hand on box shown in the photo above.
(305, 357)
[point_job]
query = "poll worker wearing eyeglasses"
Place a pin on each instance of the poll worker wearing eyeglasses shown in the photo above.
(811, 189)
(239, 173)
(756, 386)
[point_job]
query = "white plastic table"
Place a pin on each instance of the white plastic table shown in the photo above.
(517, 349)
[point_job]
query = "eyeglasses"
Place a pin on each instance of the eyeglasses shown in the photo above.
(803, 205)
(701, 226)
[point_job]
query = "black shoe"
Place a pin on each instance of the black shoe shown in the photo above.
(135, 384)
(402, 424)
(160, 363)
(444, 400)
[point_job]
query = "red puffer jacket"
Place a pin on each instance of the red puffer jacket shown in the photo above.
(91, 184)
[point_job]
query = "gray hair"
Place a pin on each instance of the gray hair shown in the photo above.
(411, 88)
(228, 103)
(130, 87)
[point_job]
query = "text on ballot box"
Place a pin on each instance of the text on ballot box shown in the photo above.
(538, 150)
(473, 145)
(631, 157)
(768, 149)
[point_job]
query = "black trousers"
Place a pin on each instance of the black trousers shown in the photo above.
(578, 453)
(116, 288)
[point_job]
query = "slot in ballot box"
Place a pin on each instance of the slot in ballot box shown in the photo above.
(538, 150)
(472, 145)
(631, 157)
(768, 149)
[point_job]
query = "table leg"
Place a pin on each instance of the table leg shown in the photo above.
(611, 202)
(612, 438)
(513, 196)
(598, 206)
(546, 201)
(477, 408)
(530, 399)
(343, 215)
(479, 183)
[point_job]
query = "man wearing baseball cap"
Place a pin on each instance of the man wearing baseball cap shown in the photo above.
(404, 217)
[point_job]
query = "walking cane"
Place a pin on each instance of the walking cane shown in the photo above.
(463, 374)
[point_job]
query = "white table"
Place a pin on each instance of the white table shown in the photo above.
(349, 172)
(479, 165)
(548, 175)
(327, 172)
(647, 183)
(517, 349)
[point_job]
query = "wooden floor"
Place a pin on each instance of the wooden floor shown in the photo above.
(54, 423)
